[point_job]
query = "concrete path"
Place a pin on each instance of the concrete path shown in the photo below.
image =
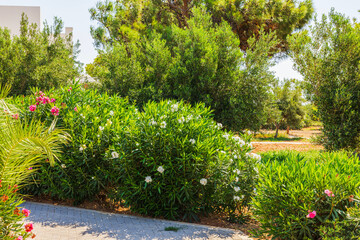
(68, 223)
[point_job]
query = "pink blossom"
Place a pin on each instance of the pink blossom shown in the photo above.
(46, 100)
(26, 212)
(19, 238)
(32, 108)
(311, 214)
(329, 193)
(55, 111)
(75, 109)
(29, 227)
(70, 88)
(53, 100)
(16, 116)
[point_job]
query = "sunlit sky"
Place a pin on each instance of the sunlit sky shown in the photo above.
(75, 14)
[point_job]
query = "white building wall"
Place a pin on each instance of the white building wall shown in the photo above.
(10, 17)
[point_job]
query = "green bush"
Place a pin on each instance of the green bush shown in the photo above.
(175, 161)
(92, 120)
(200, 63)
(328, 56)
(292, 188)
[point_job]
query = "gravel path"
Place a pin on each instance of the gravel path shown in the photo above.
(69, 223)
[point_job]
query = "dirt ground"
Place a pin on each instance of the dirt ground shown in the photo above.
(302, 145)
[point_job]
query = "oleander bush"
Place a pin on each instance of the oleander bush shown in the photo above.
(175, 161)
(92, 120)
(298, 196)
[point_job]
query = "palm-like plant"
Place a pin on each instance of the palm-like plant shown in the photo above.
(23, 144)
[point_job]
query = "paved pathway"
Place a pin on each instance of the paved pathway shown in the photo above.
(290, 143)
(68, 223)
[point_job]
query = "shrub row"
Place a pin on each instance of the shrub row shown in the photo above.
(168, 160)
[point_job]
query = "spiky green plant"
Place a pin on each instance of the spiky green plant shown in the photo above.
(23, 144)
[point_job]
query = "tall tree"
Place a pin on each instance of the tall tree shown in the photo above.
(124, 20)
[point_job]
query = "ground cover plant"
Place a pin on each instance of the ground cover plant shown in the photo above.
(306, 196)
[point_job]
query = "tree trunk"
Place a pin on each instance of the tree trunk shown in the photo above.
(277, 130)
(288, 129)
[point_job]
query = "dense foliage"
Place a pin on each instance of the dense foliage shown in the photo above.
(304, 196)
(328, 57)
(168, 160)
(201, 63)
(128, 20)
(37, 58)
(175, 161)
(92, 120)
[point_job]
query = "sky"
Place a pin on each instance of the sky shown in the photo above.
(75, 13)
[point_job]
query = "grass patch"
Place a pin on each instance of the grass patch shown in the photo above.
(172, 229)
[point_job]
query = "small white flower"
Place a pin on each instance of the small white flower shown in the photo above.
(111, 113)
(101, 128)
(236, 198)
(192, 141)
(153, 122)
(254, 156)
(250, 145)
(115, 155)
(181, 120)
(236, 179)
(98, 136)
(174, 107)
(82, 115)
(203, 181)
(241, 143)
(82, 148)
(148, 179)
(248, 132)
(226, 136)
(92, 178)
(108, 122)
(223, 152)
(137, 144)
(219, 125)
(160, 169)
(235, 156)
(94, 155)
(189, 118)
(237, 189)
(163, 124)
(237, 171)
(231, 160)
(63, 165)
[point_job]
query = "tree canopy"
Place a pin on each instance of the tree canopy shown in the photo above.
(126, 20)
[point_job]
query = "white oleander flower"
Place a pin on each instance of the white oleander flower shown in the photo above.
(101, 128)
(111, 113)
(255, 156)
(231, 160)
(82, 148)
(250, 145)
(163, 124)
(192, 141)
(248, 132)
(153, 122)
(63, 165)
(236, 179)
(98, 136)
(81, 115)
(237, 189)
(241, 143)
(237, 171)
(226, 136)
(148, 179)
(223, 152)
(160, 169)
(236, 198)
(108, 122)
(235, 156)
(219, 125)
(92, 178)
(203, 181)
(174, 107)
(189, 118)
(115, 155)
(181, 120)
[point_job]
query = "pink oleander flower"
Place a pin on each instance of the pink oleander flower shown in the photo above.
(329, 193)
(53, 100)
(29, 227)
(26, 212)
(19, 238)
(32, 108)
(311, 214)
(75, 109)
(16, 116)
(55, 111)
(70, 88)
(45, 100)
(39, 99)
